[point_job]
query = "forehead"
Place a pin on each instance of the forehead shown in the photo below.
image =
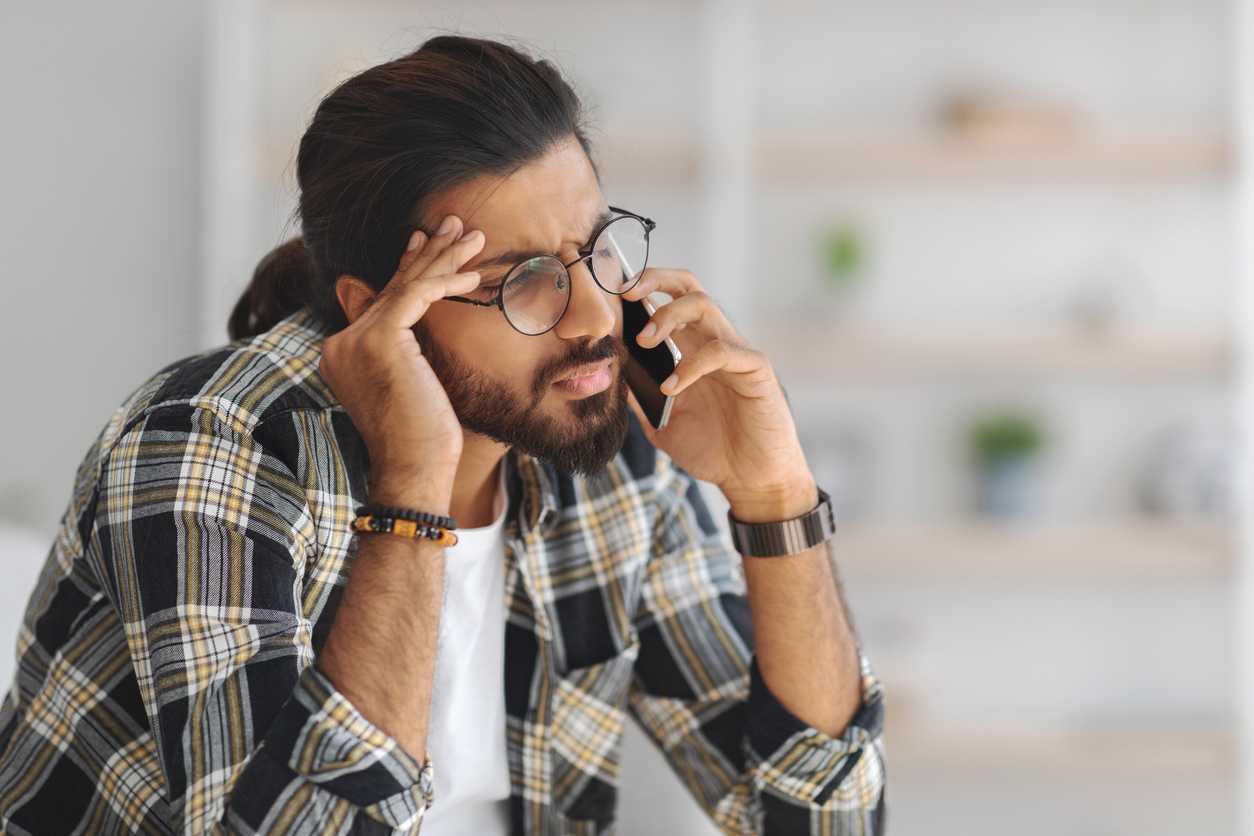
(540, 208)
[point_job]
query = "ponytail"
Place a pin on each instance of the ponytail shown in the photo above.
(284, 282)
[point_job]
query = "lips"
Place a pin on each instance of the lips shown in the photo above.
(588, 379)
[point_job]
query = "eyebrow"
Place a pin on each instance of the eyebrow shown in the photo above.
(512, 257)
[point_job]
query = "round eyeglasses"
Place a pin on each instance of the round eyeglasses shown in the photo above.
(536, 292)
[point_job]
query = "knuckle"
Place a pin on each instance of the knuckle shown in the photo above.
(718, 349)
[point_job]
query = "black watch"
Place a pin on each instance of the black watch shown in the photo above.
(780, 539)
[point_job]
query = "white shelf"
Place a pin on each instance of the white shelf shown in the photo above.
(828, 352)
(1194, 751)
(1133, 549)
(818, 156)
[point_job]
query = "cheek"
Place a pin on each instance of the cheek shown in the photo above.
(484, 341)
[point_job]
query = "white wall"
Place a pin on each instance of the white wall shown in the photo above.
(100, 165)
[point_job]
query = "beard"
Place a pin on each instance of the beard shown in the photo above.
(515, 418)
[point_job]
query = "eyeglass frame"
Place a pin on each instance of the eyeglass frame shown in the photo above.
(584, 254)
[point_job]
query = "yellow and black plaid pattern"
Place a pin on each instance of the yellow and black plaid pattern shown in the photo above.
(165, 680)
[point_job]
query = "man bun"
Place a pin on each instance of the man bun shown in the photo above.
(282, 284)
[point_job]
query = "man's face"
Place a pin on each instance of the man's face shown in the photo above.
(559, 396)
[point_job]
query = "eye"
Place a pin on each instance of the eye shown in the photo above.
(532, 279)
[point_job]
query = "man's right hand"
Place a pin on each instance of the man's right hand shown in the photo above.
(376, 369)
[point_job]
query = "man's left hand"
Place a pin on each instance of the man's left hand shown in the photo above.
(731, 425)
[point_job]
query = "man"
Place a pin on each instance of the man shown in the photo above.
(224, 641)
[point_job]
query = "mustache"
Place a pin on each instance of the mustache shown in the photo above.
(608, 347)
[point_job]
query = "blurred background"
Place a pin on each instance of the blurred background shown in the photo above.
(996, 249)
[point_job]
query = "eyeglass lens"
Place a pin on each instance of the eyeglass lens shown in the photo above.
(536, 292)
(619, 254)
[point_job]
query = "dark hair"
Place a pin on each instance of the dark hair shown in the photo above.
(385, 142)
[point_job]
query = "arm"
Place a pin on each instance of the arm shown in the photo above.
(203, 533)
(751, 763)
(812, 705)
(731, 426)
(382, 647)
(805, 648)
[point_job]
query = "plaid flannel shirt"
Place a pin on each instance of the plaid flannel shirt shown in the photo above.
(166, 680)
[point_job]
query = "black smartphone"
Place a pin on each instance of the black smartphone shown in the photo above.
(648, 368)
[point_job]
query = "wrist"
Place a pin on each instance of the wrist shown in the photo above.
(415, 490)
(774, 503)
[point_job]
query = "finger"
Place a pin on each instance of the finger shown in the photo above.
(674, 282)
(413, 250)
(457, 253)
(422, 249)
(696, 309)
(441, 252)
(447, 262)
(410, 301)
(714, 356)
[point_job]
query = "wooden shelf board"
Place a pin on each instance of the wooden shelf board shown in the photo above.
(1137, 549)
(651, 160)
(1127, 751)
(818, 156)
(816, 351)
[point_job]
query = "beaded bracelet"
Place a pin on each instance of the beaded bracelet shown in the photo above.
(406, 514)
(371, 524)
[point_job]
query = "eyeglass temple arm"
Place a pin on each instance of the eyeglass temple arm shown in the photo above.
(649, 224)
(494, 303)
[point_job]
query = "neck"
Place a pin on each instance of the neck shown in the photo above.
(474, 487)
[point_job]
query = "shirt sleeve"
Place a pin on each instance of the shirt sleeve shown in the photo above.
(203, 534)
(754, 766)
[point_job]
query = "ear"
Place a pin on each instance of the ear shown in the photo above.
(354, 295)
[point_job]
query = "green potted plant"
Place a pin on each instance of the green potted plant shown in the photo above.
(1006, 448)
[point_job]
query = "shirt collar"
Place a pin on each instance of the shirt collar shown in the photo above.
(532, 494)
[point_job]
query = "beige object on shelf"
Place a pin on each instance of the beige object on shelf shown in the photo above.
(827, 352)
(1142, 549)
(1011, 122)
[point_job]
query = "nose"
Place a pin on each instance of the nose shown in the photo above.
(592, 311)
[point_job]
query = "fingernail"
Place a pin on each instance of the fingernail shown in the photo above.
(648, 330)
(415, 241)
(445, 227)
(670, 381)
(469, 235)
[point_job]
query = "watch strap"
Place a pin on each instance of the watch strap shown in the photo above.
(780, 539)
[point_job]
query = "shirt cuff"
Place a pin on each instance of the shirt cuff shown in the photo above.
(320, 736)
(801, 762)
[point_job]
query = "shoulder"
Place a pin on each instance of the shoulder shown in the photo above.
(240, 385)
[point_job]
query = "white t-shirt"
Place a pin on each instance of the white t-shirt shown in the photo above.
(466, 733)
